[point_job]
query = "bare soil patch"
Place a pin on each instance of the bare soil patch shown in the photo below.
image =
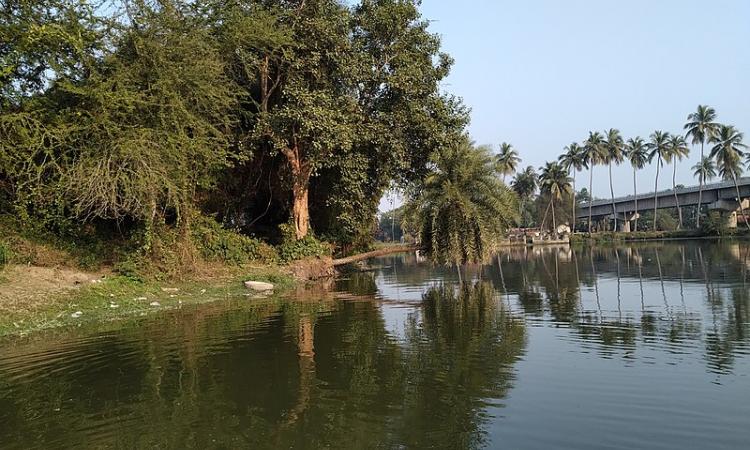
(30, 288)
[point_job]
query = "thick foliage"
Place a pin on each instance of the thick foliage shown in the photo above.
(144, 115)
(462, 210)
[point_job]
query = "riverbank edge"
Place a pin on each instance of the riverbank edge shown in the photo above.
(115, 298)
(605, 238)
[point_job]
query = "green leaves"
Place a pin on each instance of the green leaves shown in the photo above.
(462, 210)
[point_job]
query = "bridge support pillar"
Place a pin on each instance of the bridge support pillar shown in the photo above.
(732, 220)
(729, 208)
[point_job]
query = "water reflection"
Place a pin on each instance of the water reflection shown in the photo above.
(688, 294)
(400, 356)
(321, 373)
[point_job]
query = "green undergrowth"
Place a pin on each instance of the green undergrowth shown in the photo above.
(161, 253)
(292, 249)
(120, 298)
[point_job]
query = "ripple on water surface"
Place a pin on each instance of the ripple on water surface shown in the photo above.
(632, 347)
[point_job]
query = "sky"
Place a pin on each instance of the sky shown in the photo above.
(541, 74)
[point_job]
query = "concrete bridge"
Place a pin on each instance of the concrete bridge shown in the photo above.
(716, 196)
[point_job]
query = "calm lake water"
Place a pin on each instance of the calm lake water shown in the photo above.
(632, 347)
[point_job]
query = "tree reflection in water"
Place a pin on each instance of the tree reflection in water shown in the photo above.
(614, 322)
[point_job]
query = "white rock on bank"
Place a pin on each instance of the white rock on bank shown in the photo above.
(258, 286)
(76, 314)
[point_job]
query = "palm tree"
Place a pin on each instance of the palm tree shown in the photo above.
(637, 153)
(678, 149)
(701, 128)
(554, 181)
(704, 170)
(594, 154)
(574, 160)
(525, 185)
(658, 146)
(728, 152)
(613, 147)
(462, 209)
(507, 160)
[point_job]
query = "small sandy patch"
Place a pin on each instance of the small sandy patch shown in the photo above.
(28, 288)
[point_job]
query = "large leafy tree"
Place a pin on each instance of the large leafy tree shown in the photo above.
(677, 151)
(728, 152)
(658, 146)
(636, 152)
(347, 95)
(701, 128)
(525, 185)
(595, 153)
(44, 44)
(613, 155)
(42, 41)
(462, 209)
(152, 124)
(574, 160)
(554, 182)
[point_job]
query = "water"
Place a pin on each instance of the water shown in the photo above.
(631, 347)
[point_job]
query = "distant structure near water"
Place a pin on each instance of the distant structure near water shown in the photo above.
(717, 197)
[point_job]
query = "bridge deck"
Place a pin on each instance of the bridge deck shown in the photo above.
(686, 196)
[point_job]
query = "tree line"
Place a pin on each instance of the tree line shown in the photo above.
(556, 180)
(137, 116)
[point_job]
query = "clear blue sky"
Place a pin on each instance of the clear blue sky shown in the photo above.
(542, 73)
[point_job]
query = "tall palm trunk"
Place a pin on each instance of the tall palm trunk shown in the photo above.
(739, 199)
(700, 194)
(635, 193)
(554, 221)
(573, 217)
(591, 194)
(612, 194)
(674, 190)
(656, 190)
(700, 201)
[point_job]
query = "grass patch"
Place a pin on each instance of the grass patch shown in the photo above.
(120, 298)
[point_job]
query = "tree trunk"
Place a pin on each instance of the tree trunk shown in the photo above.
(573, 217)
(700, 194)
(554, 221)
(674, 190)
(635, 193)
(612, 194)
(656, 189)
(300, 190)
(375, 253)
(739, 199)
(700, 200)
(591, 194)
(544, 218)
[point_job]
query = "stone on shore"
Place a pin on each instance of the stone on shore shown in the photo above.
(258, 286)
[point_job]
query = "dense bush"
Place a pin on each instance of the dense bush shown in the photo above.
(292, 249)
(715, 224)
(219, 244)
